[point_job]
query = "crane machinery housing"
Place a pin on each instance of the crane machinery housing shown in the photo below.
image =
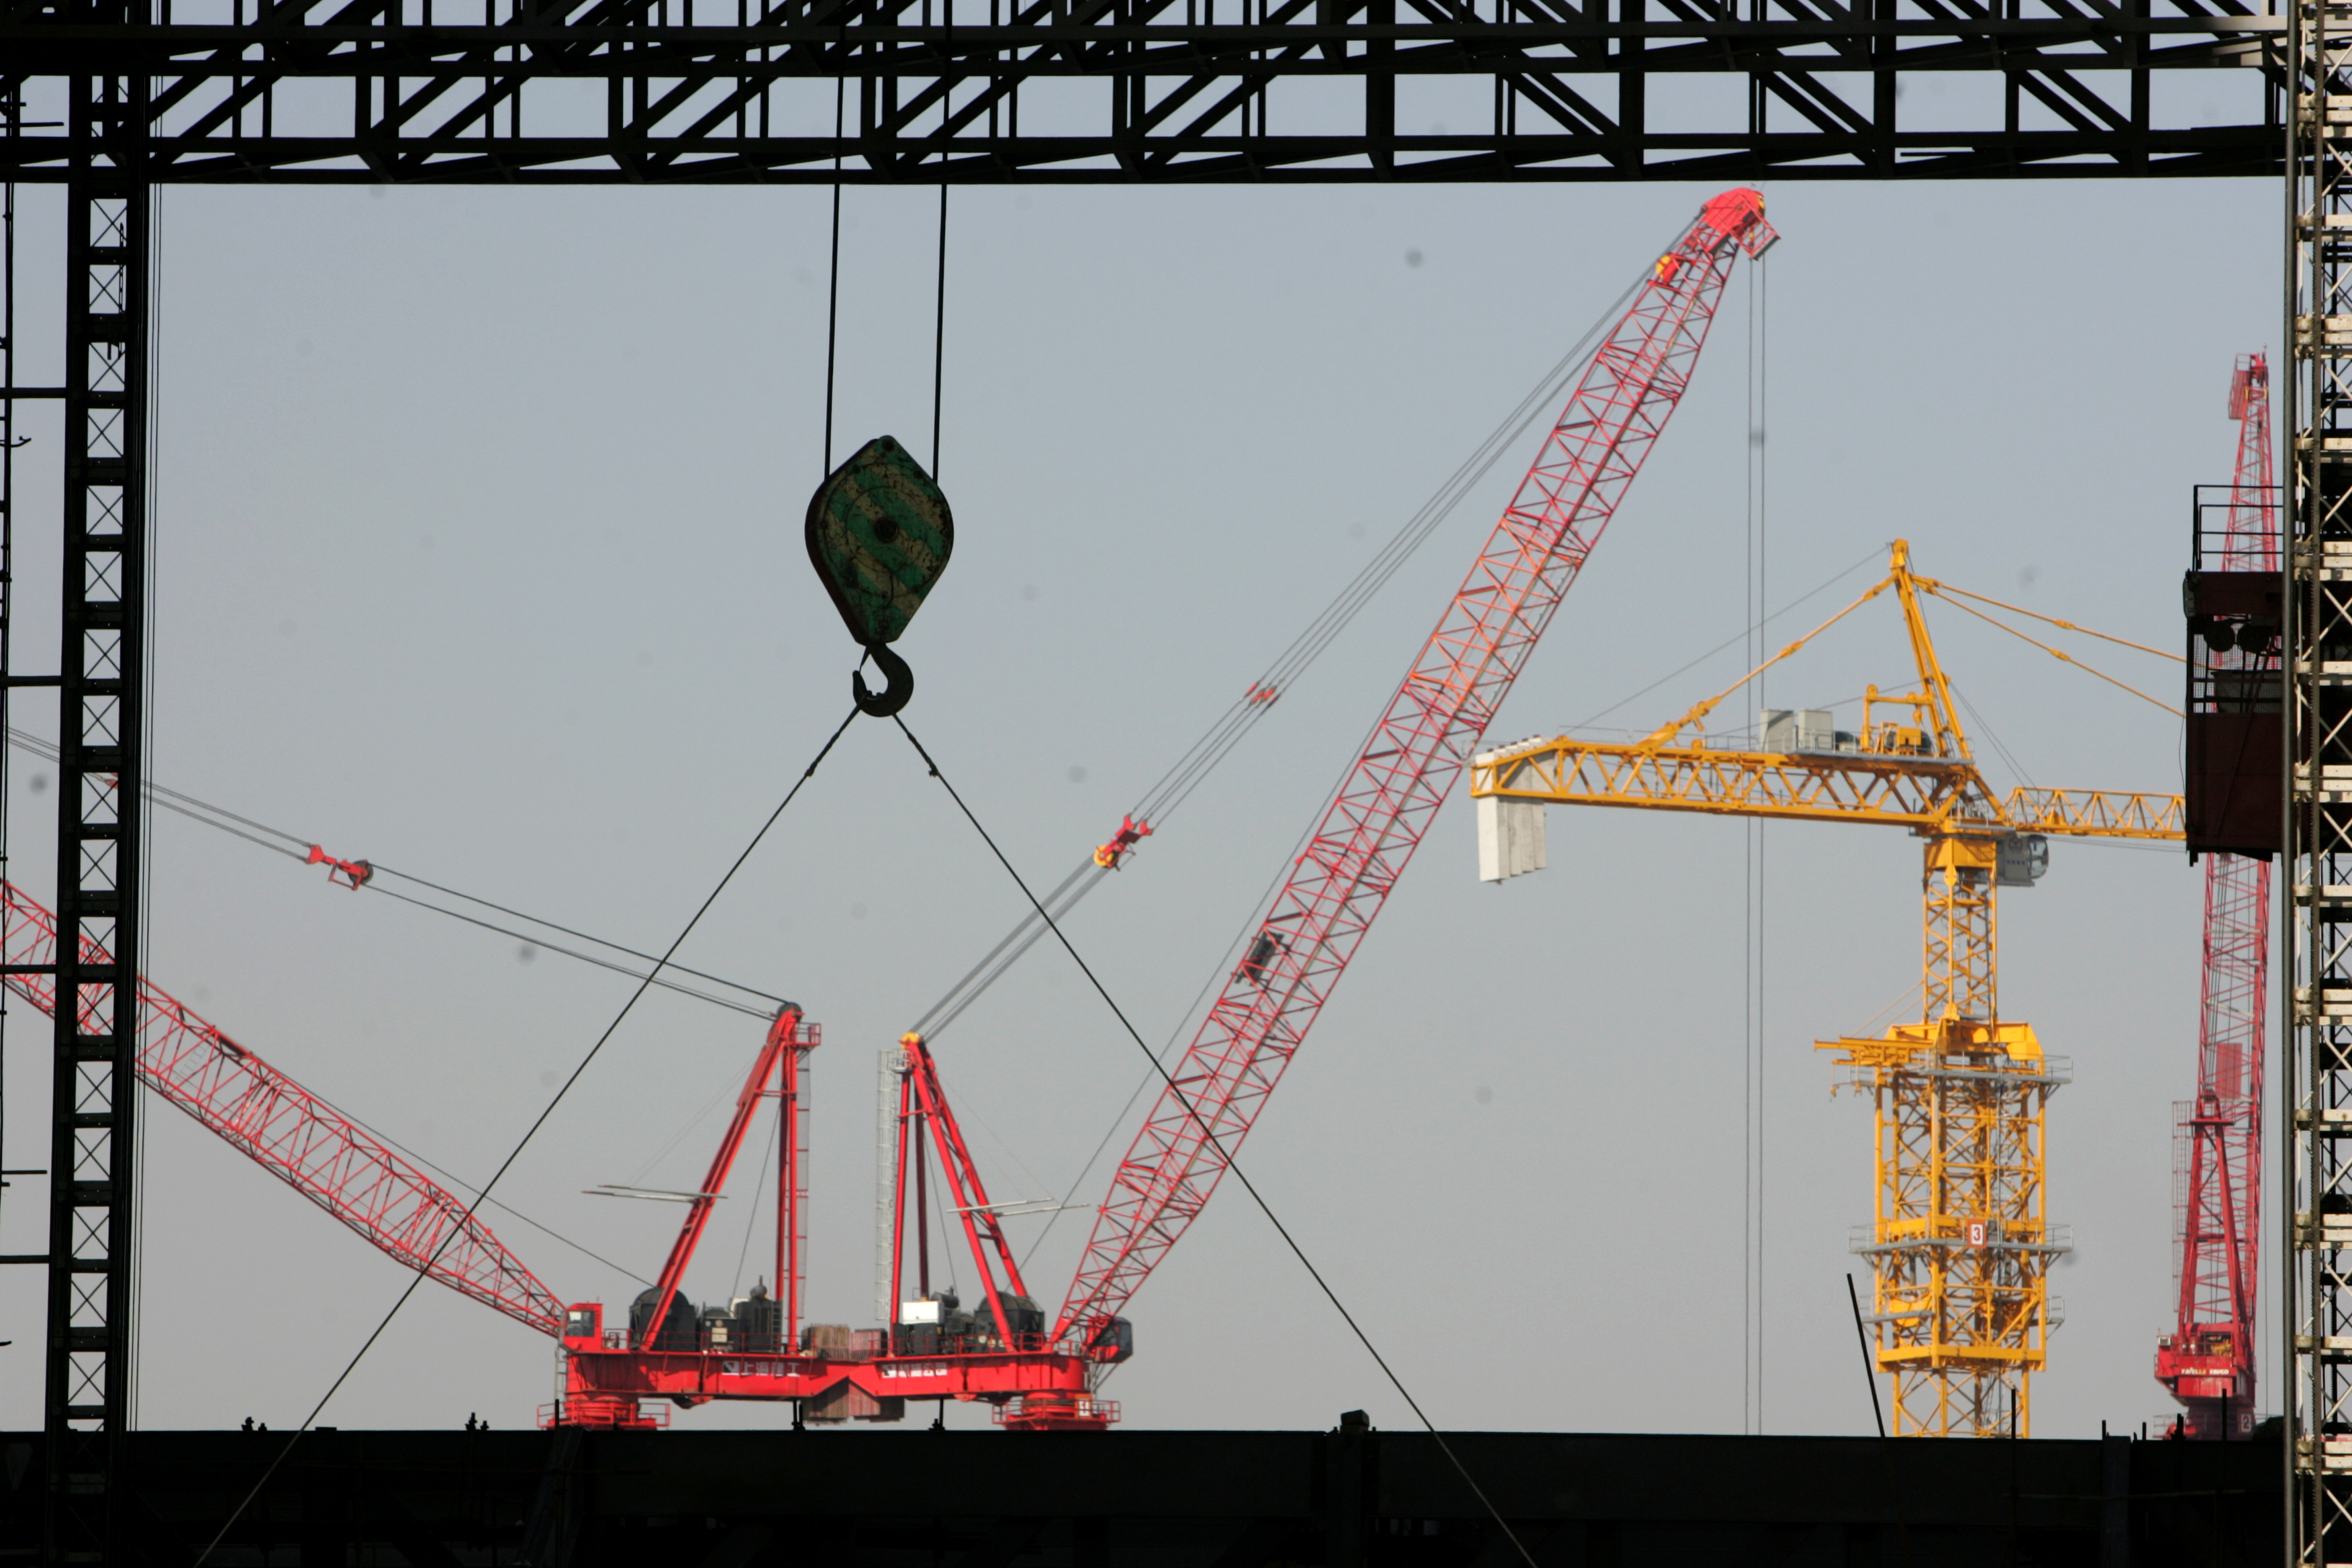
(1001, 1351)
(1961, 1245)
(2231, 597)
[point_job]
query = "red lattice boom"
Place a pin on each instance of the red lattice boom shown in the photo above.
(293, 1134)
(1395, 787)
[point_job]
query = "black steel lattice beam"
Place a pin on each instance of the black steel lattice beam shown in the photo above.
(1186, 91)
(94, 1082)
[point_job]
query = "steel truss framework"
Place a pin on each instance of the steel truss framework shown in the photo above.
(1112, 91)
(95, 1059)
(2318, 973)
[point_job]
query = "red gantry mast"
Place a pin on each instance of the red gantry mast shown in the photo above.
(2208, 1361)
(1393, 789)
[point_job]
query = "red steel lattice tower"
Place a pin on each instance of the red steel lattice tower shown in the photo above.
(2208, 1361)
(1394, 788)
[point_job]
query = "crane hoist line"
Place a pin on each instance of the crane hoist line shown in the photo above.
(1037, 1372)
(1961, 1247)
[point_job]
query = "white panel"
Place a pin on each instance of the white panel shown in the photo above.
(1510, 838)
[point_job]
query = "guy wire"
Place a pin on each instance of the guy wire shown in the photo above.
(515, 1154)
(1209, 1135)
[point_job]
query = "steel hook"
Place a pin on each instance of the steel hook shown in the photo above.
(899, 683)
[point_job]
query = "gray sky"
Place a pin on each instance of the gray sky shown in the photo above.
(479, 553)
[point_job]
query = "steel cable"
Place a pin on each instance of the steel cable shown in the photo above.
(1223, 1153)
(1229, 728)
(220, 819)
(523, 1143)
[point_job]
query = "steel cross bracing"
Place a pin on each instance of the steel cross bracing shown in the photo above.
(94, 1094)
(1422, 743)
(627, 92)
(2317, 975)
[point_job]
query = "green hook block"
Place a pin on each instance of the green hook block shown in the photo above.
(879, 533)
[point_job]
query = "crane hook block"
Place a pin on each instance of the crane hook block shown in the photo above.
(879, 533)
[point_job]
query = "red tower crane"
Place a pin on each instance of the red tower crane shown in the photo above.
(2208, 1360)
(1003, 1353)
(1393, 788)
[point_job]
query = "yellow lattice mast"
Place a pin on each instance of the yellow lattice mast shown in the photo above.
(1961, 1247)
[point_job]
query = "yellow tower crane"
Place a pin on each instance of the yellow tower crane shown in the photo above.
(1961, 1249)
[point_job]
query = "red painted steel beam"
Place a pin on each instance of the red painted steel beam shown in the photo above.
(1394, 788)
(785, 1035)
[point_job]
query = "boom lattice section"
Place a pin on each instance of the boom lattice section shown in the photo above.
(1422, 743)
(294, 1135)
(2208, 1360)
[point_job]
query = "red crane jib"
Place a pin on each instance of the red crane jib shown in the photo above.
(294, 1135)
(1394, 788)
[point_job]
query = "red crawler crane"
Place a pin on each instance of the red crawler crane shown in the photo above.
(1002, 1353)
(1424, 741)
(2208, 1361)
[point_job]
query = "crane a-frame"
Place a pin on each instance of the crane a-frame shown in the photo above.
(1961, 1244)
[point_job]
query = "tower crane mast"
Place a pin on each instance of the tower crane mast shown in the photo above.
(2208, 1361)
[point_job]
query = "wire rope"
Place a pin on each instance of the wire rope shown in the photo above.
(1223, 1153)
(1227, 732)
(521, 1144)
(939, 323)
(832, 274)
(220, 818)
(1737, 638)
(2061, 655)
(211, 815)
(752, 1221)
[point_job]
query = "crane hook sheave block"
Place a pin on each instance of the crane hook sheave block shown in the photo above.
(879, 533)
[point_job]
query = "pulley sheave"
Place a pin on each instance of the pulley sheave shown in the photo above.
(879, 533)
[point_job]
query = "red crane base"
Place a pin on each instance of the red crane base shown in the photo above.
(2212, 1381)
(609, 1386)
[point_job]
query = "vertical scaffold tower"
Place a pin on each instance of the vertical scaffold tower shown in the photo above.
(2317, 973)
